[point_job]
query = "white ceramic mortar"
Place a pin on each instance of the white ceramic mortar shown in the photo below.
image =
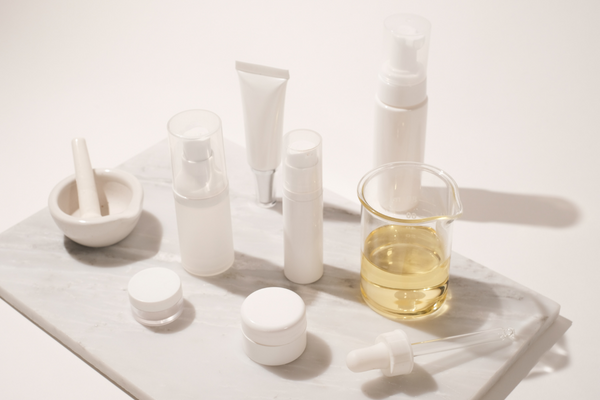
(120, 195)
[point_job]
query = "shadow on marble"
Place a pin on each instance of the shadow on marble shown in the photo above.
(555, 359)
(313, 362)
(339, 282)
(141, 244)
(185, 319)
(278, 207)
(331, 212)
(417, 383)
(471, 305)
(249, 274)
(470, 301)
(488, 206)
(436, 365)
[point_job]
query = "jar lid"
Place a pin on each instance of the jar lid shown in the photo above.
(273, 316)
(154, 289)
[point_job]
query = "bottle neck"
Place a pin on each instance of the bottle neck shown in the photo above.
(401, 96)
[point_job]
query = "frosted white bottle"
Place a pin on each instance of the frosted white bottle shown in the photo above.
(201, 192)
(303, 207)
(401, 101)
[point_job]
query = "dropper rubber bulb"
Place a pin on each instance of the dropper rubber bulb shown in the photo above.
(89, 205)
(394, 355)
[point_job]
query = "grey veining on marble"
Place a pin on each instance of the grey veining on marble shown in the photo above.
(79, 296)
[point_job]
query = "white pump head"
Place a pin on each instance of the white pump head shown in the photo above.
(404, 70)
(199, 149)
(197, 155)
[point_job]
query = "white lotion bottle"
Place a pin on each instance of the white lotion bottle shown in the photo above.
(303, 207)
(401, 100)
(201, 192)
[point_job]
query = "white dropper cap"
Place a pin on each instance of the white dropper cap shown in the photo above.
(394, 354)
(403, 75)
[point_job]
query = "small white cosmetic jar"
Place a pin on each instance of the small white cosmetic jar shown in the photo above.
(156, 296)
(274, 326)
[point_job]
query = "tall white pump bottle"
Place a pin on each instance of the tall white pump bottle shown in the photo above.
(201, 192)
(401, 101)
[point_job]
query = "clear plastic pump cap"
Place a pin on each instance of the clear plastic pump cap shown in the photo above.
(197, 154)
(302, 165)
(406, 47)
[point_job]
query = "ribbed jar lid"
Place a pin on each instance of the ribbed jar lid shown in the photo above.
(273, 316)
(154, 289)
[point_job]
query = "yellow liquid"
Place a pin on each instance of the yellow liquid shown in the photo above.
(404, 271)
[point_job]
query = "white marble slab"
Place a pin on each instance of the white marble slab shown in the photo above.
(79, 296)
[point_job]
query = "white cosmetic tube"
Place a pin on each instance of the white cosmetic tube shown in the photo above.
(303, 207)
(263, 97)
(201, 192)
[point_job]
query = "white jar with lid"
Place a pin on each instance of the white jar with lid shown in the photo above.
(156, 296)
(274, 326)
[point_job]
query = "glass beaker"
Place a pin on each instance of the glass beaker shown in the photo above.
(406, 220)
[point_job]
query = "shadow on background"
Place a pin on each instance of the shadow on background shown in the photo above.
(553, 360)
(488, 206)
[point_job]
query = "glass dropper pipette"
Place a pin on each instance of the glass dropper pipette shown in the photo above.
(394, 354)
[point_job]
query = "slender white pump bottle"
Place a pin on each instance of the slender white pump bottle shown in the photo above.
(401, 101)
(201, 192)
(302, 207)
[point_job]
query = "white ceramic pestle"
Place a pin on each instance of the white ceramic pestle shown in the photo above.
(89, 205)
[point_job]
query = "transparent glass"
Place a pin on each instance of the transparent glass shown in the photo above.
(406, 221)
(461, 341)
(197, 154)
(158, 318)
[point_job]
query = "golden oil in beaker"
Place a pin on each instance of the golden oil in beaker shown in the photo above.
(404, 271)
